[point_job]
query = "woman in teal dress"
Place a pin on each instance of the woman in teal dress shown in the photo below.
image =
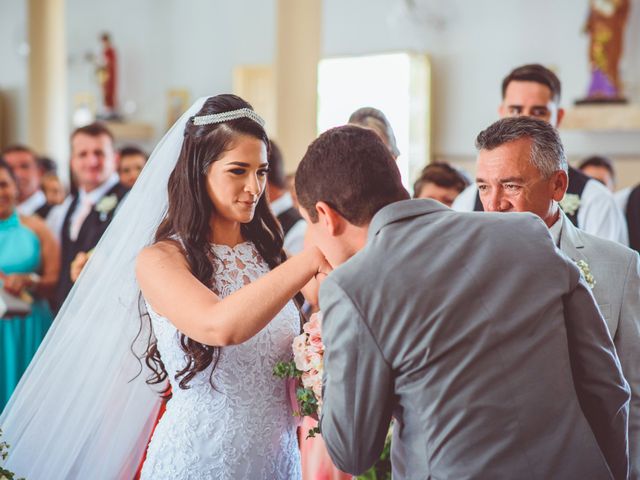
(29, 262)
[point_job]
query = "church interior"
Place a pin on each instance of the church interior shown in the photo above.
(434, 67)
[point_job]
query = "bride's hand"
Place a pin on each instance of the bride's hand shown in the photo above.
(323, 266)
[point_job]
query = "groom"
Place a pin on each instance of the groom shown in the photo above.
(470, 329)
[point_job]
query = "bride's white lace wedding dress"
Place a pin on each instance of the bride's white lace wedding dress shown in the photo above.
(243, 427)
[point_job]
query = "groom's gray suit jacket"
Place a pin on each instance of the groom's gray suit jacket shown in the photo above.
(616, 271)
(483, 342)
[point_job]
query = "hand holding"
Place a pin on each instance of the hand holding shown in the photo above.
(16, 283)
(78, 264)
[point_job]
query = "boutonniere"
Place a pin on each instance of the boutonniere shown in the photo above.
(105, 205)
(570, 203)
(586, 273)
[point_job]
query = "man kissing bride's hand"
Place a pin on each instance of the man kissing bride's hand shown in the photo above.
(311, 289)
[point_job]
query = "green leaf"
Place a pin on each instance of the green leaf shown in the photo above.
(312, 433)
(286, 370)
(4, 450)
(307, 401)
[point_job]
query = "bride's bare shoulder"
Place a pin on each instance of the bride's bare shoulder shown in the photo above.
(161, 255)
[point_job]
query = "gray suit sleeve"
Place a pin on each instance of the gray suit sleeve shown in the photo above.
(627, 342)
(602, 390)
(357, 385)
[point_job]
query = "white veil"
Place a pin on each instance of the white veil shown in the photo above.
(76, 412)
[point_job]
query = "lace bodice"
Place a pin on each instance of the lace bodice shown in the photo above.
(243, 427)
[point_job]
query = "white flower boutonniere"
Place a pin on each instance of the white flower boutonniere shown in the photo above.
(586, 273)
(105, 205)
(570, 203)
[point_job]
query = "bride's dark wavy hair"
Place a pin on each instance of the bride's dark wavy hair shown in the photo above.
(186, 223)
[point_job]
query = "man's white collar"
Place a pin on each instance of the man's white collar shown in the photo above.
(98, 193)
(556, 230)
(33, 203)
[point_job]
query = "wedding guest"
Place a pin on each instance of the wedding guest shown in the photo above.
(374, 119)
(441, 182)
(53, 189)
(24, 163)
(47, 165)
(130, 164)
(601, 169)
(497, 372)
(290, 180)
(131, 161)
(29, 265)
(534, 91)
(522, 167)
(628, 200)
(293, 226)
(82, 218)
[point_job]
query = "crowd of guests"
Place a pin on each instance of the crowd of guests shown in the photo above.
(46, 236)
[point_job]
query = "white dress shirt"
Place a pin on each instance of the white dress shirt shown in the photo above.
(466, 201)
(294, 239)
(622, 198)
(598, 215)
(556, 230)
(55, 219)
(32, 204)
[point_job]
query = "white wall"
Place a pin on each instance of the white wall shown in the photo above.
(164, 44)
(136, 28)
(13, 71)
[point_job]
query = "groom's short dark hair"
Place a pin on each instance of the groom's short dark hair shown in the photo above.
(351, 170)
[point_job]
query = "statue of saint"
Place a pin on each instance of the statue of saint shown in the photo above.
(605, 26)
(107, 76)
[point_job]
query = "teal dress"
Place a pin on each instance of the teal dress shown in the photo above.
(20, 337)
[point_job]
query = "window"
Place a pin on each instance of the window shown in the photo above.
(398, 84)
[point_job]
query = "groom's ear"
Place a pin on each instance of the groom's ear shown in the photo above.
(331, 220)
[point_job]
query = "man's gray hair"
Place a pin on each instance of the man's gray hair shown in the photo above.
(547, 152)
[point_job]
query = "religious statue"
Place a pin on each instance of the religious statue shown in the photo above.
(605, 26)
(107, 77)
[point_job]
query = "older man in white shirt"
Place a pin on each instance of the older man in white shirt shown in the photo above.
(522, 167)
(534, 91)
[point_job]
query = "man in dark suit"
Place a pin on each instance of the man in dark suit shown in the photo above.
(470, 329)
(84, 216)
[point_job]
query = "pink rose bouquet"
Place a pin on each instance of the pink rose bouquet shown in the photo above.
(306, 369)
(305, 372)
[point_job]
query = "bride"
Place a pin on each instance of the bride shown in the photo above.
(216, 315)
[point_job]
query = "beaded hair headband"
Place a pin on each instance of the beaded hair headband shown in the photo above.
(226, 116)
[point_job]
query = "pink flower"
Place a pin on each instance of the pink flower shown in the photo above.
(313, 328)
(313, 380)
(314, 325)
(316, 386)
(308, 378)
(315, 359)
(300, 356)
